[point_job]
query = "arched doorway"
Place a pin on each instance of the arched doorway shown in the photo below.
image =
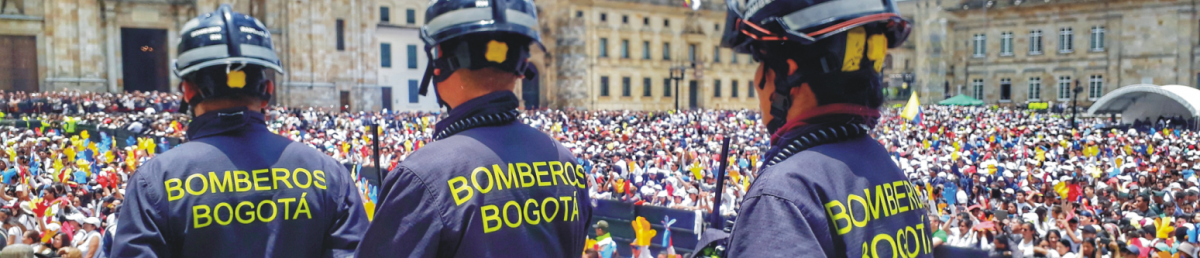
(144, 60)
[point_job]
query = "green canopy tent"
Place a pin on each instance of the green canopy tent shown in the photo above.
(961, 100)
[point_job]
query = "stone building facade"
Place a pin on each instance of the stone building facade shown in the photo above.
(1012, 52)
(617, 54)
(328, 47)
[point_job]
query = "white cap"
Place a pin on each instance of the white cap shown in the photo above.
(76, 217)
(92, 220)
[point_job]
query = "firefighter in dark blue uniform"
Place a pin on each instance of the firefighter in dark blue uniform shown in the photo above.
(236, 189)
(826, 188)
(489, 186)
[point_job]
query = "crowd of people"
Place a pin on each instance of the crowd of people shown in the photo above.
(1016, 182)
(1027, 184)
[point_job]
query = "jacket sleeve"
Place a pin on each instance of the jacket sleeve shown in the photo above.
(350, 221)
(141, 228)
(408, 220)
(770, 226)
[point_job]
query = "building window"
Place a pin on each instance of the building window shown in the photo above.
(666, 51)
(578, 13)
(604, 86)
(1005, 90)
(1035, 88)
(980, 47)
(646, 21)
(412, 56)
(977, 89)
(1035, 42)
(733, 58)
(716, 88)
(717, 54)
(666, 22)
(410, 16)
(1066, 42)
(1064, 88)
(385, 14)
(603, 47)
(624, 48)
(1006, 46)
(692, 53)
(603, 17)
(414, 89)
(625, 19)
(340, 30)
(626, 90)
(1095, 87)
(385, 55)
(733, 88)
(666, 87)
(1097, 38)
(646, 87)
(646, 50)
(750, 88)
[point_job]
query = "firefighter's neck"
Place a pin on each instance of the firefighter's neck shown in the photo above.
(253, 104)
(464, 85)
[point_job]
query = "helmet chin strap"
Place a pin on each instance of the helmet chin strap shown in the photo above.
(461, 57)
(781, 98)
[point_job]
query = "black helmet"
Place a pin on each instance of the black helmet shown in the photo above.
(225, 52)
(475, 34)
(806, 21)
(783, 34)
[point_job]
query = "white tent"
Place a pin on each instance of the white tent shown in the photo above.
(1145, 101)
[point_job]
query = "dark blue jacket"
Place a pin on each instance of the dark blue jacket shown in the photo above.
(499, 190)
(843, 199)
(238, 190)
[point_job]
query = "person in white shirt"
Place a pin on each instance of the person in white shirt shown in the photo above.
(91, 237)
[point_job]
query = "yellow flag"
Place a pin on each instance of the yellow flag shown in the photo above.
(926, 144)
(1165, 227)
(1061, 189)
(991, 169)
(150, 146)
(1040, 154)
(954, 155)
(109, 157)
(957, 147)
(131, 160)
(1150, 149)
(642, 231)
(1119, 161)
(84, 134)
(370, 206)
(69, 152)
(696, 171)
(912, 108)
(1128, 150)
(58, 165)
(408, 145)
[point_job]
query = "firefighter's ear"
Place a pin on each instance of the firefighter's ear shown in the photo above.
(270, 92)
(188, 90)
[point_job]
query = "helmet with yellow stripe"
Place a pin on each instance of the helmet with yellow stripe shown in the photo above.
(836, 47)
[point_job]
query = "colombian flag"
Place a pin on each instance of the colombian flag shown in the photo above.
(912, 110)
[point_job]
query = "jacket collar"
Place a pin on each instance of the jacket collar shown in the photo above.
(225, 121)
(494, 108)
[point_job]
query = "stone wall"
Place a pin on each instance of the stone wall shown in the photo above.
(582, 66)
(1151, 41)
